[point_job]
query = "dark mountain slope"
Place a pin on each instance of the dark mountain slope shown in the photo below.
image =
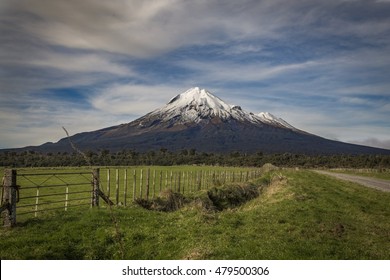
(198, 120)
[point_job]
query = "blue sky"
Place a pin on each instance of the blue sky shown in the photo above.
(323, 66)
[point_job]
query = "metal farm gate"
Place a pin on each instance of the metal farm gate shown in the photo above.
(33, 193)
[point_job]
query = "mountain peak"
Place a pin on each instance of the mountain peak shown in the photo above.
(198, 105)
(198, 97)
(194, 105)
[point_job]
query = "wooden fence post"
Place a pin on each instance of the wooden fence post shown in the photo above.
(190, 181)
(184, 181)
(108, 183)
(67, 197)
(117, 186)
(174, 181)
(125, 188)
(166, 179)
(95, 186)
(147, 183)
(208, 179)
(154, 183)
(9, 199)
(178, 181)
(134, 184)
(171, 178)
(161, 180)
(199, 178)
(140, 183)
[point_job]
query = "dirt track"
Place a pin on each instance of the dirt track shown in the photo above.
(379, 184)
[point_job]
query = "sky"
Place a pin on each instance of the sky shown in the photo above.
(323, 66)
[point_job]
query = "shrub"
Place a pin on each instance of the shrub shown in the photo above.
(167, 202)
(232, 195)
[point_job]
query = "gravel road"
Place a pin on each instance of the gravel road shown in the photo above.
(379, 184)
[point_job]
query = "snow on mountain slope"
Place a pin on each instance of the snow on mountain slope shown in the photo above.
(266, 117)
(197, 105)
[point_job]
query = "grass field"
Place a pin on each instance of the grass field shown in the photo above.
(300, 215)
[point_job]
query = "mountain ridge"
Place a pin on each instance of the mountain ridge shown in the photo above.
(195, 105)
(197, 119)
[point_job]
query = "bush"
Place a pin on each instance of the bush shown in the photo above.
(216, 199)
(167, 202)
(232, 196)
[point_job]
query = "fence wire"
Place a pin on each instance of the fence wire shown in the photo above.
(46, 191)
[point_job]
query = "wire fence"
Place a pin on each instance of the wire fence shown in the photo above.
(34, 192)
(124, 185)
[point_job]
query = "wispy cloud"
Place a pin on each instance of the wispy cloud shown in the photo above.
(374, 142)
(81, 63)
(42, 123)
(133, 100)
(222, 71)
(321, 65)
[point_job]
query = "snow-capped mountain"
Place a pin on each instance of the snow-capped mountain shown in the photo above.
(200, 106)
(196, 119)
(195, 105)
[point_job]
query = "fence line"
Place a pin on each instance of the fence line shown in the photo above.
(40, 192)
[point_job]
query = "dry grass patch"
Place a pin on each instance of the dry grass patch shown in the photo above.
(277, 189)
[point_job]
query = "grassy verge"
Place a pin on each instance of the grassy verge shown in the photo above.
(300, 215)
(374, 173)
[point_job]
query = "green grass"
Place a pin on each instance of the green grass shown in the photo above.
(301, 215)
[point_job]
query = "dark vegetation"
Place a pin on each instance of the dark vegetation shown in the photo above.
(215, 199)
(164, 157)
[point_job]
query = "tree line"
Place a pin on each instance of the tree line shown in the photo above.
(164, 157)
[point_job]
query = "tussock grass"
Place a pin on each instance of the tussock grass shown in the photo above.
(218, 198)
(168, 201)
(233, 195)
(298, 215)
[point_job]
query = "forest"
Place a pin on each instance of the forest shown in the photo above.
(164, 157)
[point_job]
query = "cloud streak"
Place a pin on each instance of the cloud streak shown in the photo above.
(321, 65)
(133, 100)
